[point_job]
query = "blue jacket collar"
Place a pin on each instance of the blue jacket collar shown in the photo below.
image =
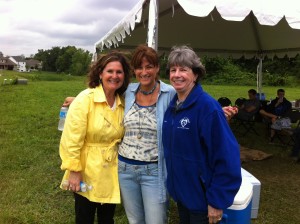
(191, 98)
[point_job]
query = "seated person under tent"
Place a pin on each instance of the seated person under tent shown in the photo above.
(250, 107)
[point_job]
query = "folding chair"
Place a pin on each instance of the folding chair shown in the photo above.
(247, 124)
(242, 121)
(294, 115)
(224, 101)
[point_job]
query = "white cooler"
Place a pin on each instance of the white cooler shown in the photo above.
(240, 211)
(256, 192)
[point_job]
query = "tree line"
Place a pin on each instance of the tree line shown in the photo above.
(276, 71)
(68, 60)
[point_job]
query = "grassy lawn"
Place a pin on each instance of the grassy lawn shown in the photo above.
(30, 164)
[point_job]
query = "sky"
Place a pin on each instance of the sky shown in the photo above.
(29, 25)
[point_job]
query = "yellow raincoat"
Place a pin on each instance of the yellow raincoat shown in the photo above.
(89, 143)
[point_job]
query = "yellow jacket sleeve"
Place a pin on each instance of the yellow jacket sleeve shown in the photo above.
(74, 132)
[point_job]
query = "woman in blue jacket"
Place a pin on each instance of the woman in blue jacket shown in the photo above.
(201, 152)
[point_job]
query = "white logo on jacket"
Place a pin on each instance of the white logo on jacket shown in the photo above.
(183, 122)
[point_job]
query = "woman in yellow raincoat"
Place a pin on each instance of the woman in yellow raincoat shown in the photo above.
(89, 142)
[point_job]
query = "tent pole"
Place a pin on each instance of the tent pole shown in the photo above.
(153, 25)
(257, 71)
(260, 78)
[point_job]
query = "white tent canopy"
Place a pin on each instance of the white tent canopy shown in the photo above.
(235, 28)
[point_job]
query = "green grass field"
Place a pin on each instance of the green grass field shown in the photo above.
(30, 164)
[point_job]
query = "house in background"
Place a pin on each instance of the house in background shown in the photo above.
(20, 61)
(33, 64)
(6, 63)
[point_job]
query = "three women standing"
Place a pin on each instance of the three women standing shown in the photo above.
(142, 167)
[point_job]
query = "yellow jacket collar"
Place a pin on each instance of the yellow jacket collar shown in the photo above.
(100, 97)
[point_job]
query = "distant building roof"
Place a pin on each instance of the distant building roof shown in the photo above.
(32, 62)
(18, 58)
(6, 61)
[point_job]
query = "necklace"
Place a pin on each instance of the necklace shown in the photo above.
(150, 92)
(140, 135)
(143, 113)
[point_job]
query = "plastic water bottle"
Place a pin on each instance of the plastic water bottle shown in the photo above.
(84, 187)
(62, 117)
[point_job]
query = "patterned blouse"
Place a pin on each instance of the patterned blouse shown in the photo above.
(140, 139)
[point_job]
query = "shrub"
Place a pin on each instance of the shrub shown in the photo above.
(275, 79)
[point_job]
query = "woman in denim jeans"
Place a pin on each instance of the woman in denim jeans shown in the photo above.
(142, 171)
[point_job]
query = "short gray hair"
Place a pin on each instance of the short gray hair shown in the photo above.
(186, 57)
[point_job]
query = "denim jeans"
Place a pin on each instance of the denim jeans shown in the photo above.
(139, 191)
(188, 217)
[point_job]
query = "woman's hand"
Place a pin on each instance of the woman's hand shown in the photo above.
(68, 101)
(214, 215)
(230, 112)
(74, 181)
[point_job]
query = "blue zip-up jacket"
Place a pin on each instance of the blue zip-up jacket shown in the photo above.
(166, 94)
(201, 152)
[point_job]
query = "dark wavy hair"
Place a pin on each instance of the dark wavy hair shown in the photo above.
(98, 67)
